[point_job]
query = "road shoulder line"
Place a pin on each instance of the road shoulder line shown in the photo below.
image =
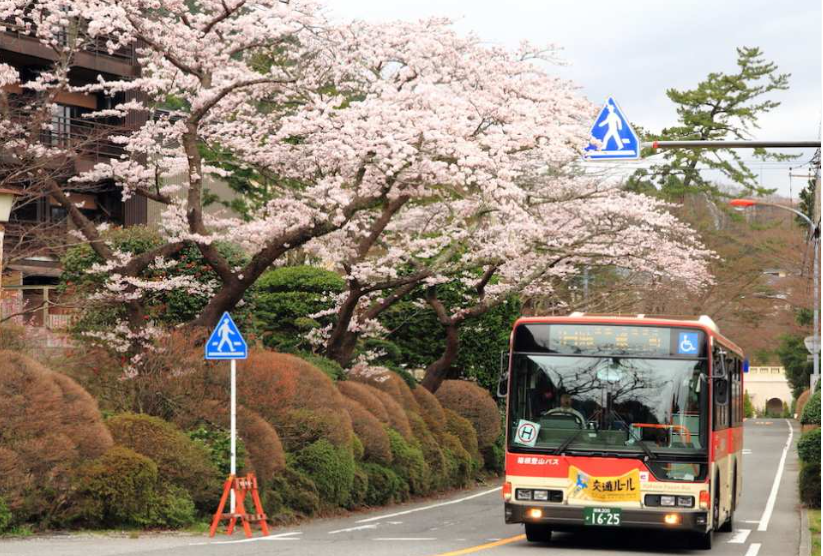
(767, 512)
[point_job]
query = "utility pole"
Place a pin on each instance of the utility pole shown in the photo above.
(816, 265)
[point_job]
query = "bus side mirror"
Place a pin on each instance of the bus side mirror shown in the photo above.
(503, 377)
(721, 392)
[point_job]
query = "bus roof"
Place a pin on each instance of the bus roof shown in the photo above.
(703, 321)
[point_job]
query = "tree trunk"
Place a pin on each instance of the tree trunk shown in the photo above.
(340, 346)
(437, 372)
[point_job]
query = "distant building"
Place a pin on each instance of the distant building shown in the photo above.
(767, 388)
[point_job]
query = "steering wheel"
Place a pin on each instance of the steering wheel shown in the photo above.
(581, 423)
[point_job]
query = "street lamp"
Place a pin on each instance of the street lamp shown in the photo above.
(7, 197)
(813, 232)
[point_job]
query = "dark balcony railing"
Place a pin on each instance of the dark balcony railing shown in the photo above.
(95, 46)
(86, 136)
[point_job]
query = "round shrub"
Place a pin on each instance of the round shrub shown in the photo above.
(811, 413)
(387, 381)
(371, 433)
(384, 486)
(119, 488)
(494, 458)
(433, 455)
(459, 462)
(808, 448)
(430, 410)
(48, 426)
(809, 484)
(357, 448)
(331, 469)
(332, 368)
(398, 420)
(297, 398)
(265, 451)
(365, 396)
(475, 404)
(464, 431)
(359, 489)
(284, 298)
(179, 460)
(290, 493)
(409, 463)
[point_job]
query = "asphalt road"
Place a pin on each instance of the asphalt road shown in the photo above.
(767, 524)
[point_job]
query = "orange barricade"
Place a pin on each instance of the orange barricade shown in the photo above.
(241, 486)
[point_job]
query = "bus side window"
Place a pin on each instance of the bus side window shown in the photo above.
(720, 396)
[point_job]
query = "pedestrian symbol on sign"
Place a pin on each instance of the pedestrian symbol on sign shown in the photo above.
(614, 133)
(526, 432)
(225, 341)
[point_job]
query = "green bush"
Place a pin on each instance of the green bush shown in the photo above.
(332, 368)
(331, 469)
(283, 299)
(5, 516)
(748, 407)
(460, 463)
(119, 488)
(360, 488)
(809, 484)
(173, 507)
(464, 431)
(811, 413)
(217, 442)
(288, 494)
(409, 463)
(384, 485)
(808, 448)
(494, 458)
(163, 307)
(438, 476)
(179, 460)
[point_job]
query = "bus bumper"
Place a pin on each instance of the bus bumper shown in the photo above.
(562, 517)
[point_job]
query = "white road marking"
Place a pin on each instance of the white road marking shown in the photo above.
(754, 548)
(746, 451)
(767, 513)
(485, 492)
(278, 537)
(358, 528)
(405, 539)
(755, 521)
(395, 522)
(740, 536)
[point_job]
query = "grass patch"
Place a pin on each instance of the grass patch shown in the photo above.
(26, 531)
(814, 527)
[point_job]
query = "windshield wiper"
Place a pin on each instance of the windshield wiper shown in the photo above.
(640, 442)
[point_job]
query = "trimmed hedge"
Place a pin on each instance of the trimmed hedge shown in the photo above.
(5, 516)
(397, 417)
(811, 412)
(291, 493)
(431, 410)
(384, 485)
(464, 431)
(809, 484)
(387, 381)
(475, 404)
(179, 460)
(370, 432)
(359, 489)
(49, 426)
(331, 469)
(459, 462)
(409, 463)
(808, 448)
(298, 399)
(365, 396)
(433, 455)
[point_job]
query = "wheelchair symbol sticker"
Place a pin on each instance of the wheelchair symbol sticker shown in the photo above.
(688, 343)
(526, 432)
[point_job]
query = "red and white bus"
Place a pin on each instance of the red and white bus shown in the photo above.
(616, 421)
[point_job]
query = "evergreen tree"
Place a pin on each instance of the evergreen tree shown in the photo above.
(721, 107)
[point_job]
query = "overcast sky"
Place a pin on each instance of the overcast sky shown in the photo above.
(635, 50)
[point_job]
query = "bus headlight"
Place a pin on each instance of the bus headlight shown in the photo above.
(541, 495)
(523, 494)
(685, 501)
(667, 500)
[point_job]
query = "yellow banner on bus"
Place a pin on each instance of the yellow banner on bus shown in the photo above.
(625, 488)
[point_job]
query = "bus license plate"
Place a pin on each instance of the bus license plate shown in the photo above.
(601, 516)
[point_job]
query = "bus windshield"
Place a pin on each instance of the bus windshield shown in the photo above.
(616, 404)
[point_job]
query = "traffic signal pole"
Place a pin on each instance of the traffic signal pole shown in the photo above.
(730, 145)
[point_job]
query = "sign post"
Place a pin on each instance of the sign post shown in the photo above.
(226, 342)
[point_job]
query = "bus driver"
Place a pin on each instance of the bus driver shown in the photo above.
(566, 407)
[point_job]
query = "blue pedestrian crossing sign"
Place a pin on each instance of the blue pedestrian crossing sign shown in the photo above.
(618, 140)
(226, 342)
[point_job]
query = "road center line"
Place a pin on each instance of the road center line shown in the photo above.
(739, 536)
(485, 492)
(754, 548)
(358, 528)
(487, 545)
(767, 513)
